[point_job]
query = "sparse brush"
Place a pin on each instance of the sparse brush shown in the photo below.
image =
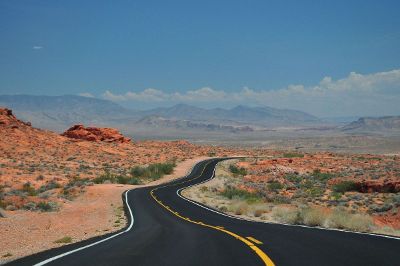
(342, 219)
(236, 170)
(232, 192)
(312, 216)
(345, 186)
(286, 215)
(241, 209)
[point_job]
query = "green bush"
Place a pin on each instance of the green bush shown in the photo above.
(296, 179)
(51, 185)
(153, 171)
(345, 186)
(322, 176)
(27, 187)
(116, 179)
(47, 206)
(274, 186)
(232, 192)
(236, 170)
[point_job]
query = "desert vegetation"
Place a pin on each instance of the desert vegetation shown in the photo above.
(351, 192)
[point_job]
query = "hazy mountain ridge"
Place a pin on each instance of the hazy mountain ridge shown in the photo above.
(60, 112)
(374, 124)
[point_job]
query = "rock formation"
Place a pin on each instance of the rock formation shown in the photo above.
(7, 119)
(95, 134)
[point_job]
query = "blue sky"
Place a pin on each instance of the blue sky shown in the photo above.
(153, 53)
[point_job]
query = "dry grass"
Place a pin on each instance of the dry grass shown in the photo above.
(354, 222)
(285, 214)
(312, 216)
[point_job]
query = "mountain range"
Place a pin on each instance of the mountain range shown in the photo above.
(58, 113)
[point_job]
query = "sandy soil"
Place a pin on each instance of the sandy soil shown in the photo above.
(93, 213)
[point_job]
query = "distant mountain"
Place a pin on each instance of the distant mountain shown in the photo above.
(386, 124)
(60, 112)
(265, 116)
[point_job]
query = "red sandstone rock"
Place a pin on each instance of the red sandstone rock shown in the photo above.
(95, 134)
(7, 119)
(369, 186)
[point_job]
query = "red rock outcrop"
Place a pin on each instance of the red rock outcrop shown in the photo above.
(7, 119)
(95, 134)
(369, 186)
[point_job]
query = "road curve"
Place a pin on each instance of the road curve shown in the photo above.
(169, 230)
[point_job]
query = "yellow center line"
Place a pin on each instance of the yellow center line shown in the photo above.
(264, 257)
(254, 240)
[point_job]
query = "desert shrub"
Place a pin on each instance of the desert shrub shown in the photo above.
(274, 186)
(312, 216)
(51, 185)
(258, 212)
(322, 176)
(286, 215)
(233, 192)
(360, 222)
(203, 189)
(115, 179)
(278, 199)
(153, 171)
(336, 195)
(344, 186)
(342, 219)
(138, 171)
(396, 200)
(241, 209)
(315, 192)
(223, 209)
(27, 187)
(30, 206)
(381, 208)
(236, 170)
(296, 179)
(47, 206)
(293, 155)
(64, 240)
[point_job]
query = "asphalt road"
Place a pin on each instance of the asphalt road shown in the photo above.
(169, 230)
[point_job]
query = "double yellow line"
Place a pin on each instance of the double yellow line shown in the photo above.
(264, 257)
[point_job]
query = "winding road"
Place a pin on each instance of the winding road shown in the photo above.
(166, 229)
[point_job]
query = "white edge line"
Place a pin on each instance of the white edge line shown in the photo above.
(178, 192)
(95, 243)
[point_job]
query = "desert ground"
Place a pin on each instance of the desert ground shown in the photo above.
(50, 183)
